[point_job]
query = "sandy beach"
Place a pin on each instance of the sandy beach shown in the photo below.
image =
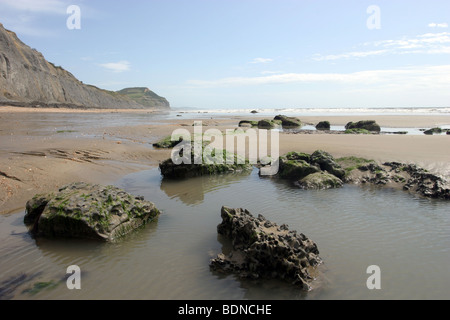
(36, 157)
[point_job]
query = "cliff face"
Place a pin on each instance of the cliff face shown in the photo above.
(27, 79)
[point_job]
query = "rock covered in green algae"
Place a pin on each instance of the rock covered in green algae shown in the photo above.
(289, 122)
(369, 125)
(323, 125)
(320, 181)
(316, 171)
(230, 163)
(82, 210)
(263, 250)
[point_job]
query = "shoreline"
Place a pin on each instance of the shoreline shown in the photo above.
(35, 158)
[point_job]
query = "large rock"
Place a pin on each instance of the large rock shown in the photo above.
(320, 181)
(82, 210)
(316, 171)
(326, 162)
(289, 122)
(369, 125)
(296, 169)
(268, 124)
(263, 250)
(324, 125)
(27, 79)
(169, 169)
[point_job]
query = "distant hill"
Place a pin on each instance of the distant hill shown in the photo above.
(27, 79)
(145, 97)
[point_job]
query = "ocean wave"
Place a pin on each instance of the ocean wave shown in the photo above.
(329, 111)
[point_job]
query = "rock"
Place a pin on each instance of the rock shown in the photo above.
(289, 122)
(267, 124)
(296, 169)
(433, 131)
(167, 143)
(326, 162)
(187, 170)
(368, 125)
(254, 112)
(320, 181)
(448, 132)
(263, 250)
(248, 123)
(324, 125)
(82, 210)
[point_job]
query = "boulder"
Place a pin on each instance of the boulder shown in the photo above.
(433, 131)
(263, 250)
(296, 169)
(326, 162)
(171, 170)
(167, 143)
(320, 181)
(248, 123)
(267, 124)
(368, 125)
(324, 125)
(289, 122)
(82, 210)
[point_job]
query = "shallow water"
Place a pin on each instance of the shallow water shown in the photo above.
(354, 227)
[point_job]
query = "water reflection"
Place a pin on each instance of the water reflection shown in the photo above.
(192, 191)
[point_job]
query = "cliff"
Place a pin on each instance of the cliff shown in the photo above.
(27, 79)
(145, 97)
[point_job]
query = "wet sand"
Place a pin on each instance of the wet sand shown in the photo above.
(36, 159)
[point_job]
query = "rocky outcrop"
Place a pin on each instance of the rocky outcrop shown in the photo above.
(316, 171)
(27, 79)
(368, 125)
(263, 250)
(199, 165)
(82, 210)
(408, 177)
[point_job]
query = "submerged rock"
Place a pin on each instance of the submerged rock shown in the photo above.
(263, 250)
(82, 210)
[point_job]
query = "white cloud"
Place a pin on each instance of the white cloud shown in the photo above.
(261, 60)
(437, 76)
(41, 6)
(438, 25)
(348, 55)
(429, 43)
(117, 67)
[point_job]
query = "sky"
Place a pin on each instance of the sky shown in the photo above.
(231, 54)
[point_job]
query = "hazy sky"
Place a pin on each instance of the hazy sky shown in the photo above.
(249, 53)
